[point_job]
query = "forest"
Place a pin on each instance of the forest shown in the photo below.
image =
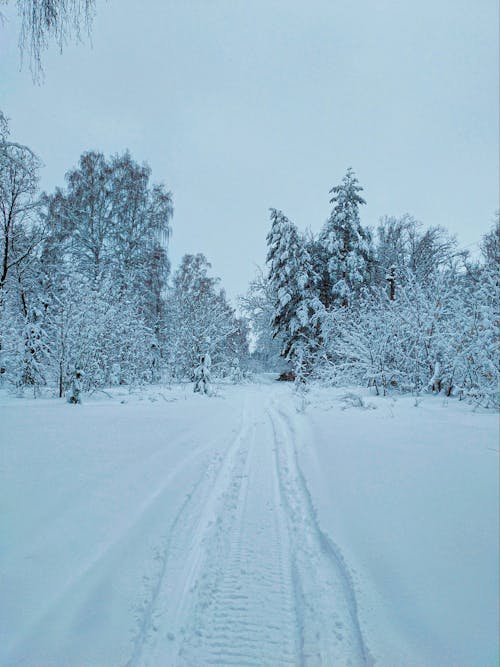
(292, 464)
(88, 298)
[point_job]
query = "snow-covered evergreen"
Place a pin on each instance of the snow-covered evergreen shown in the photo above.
(347, 243)
(296, 301)
(409, 313)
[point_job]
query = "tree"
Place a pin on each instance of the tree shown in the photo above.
(296, 304)
(200, 321)
(319, 257)
(490, 245)
(347, 243)
(94, 331)
(83, 215)
(403, 249)
(111, 222)
(258, 305)
(45, 20)
(140, 233)
(18, 203)
(91, 298)
(439, 336)
(19, 232)
(362, 343)
(480, 344)
(112, 219)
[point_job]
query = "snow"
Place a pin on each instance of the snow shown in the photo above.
(411, 496)
(163, 528)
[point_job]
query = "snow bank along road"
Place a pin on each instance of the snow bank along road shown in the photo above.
(172, 529)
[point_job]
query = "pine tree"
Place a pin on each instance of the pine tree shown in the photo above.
(348, 244)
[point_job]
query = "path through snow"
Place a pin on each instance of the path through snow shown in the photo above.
(247, 576)
(164, 529)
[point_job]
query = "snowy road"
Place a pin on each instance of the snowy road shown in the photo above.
(247, 576)
(183, 531)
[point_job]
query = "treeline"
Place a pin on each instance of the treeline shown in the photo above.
(86, 295)
(398, 308)
(87, 298)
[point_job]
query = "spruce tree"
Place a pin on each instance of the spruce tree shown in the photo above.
(296, 302)
(346, 242)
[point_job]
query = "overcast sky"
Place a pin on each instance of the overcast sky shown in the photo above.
(240, 105)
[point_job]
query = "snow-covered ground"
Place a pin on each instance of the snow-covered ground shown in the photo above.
(166, 528)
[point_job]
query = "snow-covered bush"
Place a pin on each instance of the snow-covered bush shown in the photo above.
(202, 375)
(438, 337)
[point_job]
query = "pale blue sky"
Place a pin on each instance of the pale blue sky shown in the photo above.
(240, 105)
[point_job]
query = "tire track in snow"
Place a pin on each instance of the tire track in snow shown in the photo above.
(166, 602)
(118, 540)
(325, 599)
(245, 612)
(247, 576)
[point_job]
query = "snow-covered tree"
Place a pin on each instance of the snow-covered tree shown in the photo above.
(107, 243)
(258, 305)
(490, 245)
(200, 321)
(18, 204)
(319, 257)
(440, 336)
(403, 248)
(296, 303)
(347, 243)
(480, 342)
(20, 235)
(111, 221)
